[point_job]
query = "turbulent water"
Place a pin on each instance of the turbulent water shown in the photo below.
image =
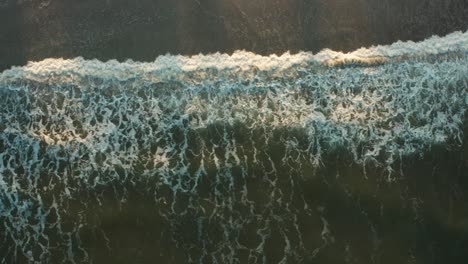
(238, 158)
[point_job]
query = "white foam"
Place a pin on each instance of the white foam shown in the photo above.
(243, 60)
(85, 124)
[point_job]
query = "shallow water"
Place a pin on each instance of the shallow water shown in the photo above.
(327, 158)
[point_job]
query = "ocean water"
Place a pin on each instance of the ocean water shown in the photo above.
(300, 158)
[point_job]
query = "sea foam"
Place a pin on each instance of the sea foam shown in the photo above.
(74, 125)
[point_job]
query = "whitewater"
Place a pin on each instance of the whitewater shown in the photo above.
(201, 135)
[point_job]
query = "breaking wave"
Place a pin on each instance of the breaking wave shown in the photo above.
(193, 131)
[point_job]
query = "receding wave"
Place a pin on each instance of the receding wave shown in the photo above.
(194, 132)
